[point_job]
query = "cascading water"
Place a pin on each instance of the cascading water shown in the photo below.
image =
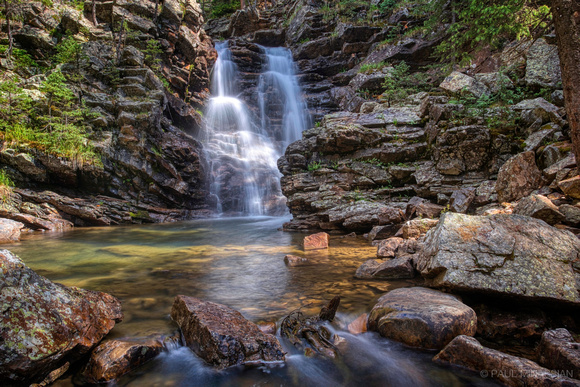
(243, 154)
(280, 97)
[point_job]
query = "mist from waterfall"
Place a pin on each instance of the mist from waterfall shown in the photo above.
(243, 149)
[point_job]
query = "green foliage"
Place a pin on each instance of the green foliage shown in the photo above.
(387, 6)
(221, 8)
(368, 67)
(314, 166)
(399, 83)
(152, 53)
(69, 50)
(473, 24)
(6, 185)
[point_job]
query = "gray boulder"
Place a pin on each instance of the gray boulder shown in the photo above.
(509, 255)
(422, 317)
(543, 65)
(539, 207)
(458, 83)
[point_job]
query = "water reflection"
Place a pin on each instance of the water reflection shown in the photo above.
(237, 262)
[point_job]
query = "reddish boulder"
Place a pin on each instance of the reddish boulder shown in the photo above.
(46, 325)
(114, 358)
(10, 230)
(316, 241)
(294, 260)
(222, 336)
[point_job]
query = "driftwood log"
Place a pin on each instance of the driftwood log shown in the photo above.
(308, 333)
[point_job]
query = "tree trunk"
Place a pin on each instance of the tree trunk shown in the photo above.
(243, 4)
(9, 28)
(566, 14)
(94, 12)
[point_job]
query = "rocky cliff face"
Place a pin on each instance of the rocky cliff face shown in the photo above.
(145, 71)
(372, 159)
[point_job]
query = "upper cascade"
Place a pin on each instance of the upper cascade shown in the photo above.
(242, 147)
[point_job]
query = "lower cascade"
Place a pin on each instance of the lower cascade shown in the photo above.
(242, 145)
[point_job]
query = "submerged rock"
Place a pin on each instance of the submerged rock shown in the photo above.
(422, 317)
(316, 241)
(46, 325)
(501, 254)
(510, 370)
(294, 260)
(222, 336)
(114, 358)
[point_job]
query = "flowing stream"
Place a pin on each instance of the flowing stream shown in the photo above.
(237, 262)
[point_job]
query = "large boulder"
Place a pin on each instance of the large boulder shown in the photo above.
(543, 65)
(518, 177)
(422, 317)
(510, 370)
(510, 255)
(46, 325)
(459, 83)
(222, 336)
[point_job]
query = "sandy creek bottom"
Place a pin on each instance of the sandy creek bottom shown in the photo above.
(237, 262)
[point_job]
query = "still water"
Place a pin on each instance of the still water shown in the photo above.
(237, 262)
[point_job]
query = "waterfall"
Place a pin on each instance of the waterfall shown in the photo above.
(242, 149)
(280, 97)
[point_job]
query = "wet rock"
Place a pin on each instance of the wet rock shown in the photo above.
(222, 336)
(559, 351)
(359, 325)
(422, 317)
(461, 199)
(539, 207)
(509, 325)
(518, 177)
(571, 187)
(458, 83)
(268, 327)
(510, 370)
(416, 228)
(10, 230)
(316, 241)
(367, 269)
(114, 358)
(501, 254)
(383, 232)
(293, 260)
(543, 65)
(45, 325)
(397, 268)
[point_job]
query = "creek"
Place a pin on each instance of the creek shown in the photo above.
(237, 262)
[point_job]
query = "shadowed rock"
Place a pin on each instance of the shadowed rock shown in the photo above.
(222, 336)
(510, 370)
(422, 317)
